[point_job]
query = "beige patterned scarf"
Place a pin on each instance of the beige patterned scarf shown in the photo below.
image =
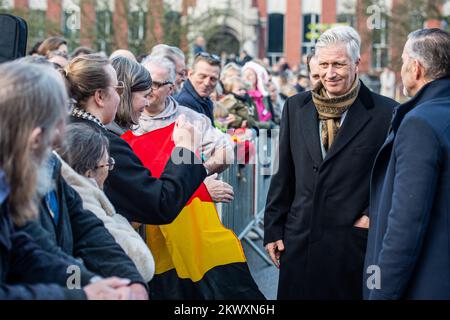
(331, 109)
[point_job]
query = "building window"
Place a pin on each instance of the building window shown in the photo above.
(417, 19)
(137, 24)
(380, 52)
(104, 28)
(7, 6)
(310, 32)
(36, 26)
(275, 46)
(446, 18)
(172, 27)
(347, 19)
(71, 23)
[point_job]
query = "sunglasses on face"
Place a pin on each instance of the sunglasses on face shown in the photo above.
(208, 56)
(54, 53)
(110, 164)
(182, 73)
(159, 84)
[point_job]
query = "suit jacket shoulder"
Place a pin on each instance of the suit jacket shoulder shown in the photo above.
(299, 100)
(435, 112)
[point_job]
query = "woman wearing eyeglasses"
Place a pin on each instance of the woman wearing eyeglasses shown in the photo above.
(137, 84)
(132, 189)
(88, 163)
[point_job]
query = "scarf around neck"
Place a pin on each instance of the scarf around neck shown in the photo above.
(330, 110)
(257, 96)
(166, 117)
(83, 114)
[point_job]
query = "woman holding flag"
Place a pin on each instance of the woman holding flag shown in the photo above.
(131, 187)
(196, 256)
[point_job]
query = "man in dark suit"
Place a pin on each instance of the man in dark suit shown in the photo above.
(315, 219)
(408, 247)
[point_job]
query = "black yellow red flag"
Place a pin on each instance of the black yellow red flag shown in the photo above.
(196, 257)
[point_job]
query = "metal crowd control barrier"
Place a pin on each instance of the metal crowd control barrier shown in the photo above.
(245, 215)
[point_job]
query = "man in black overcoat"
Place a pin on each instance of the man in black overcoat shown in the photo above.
(316, 213)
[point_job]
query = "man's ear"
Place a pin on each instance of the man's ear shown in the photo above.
(36, 138)
(190, 72)
(357, 65)
(171, 90)
(419, 71)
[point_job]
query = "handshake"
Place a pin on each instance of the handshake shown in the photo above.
(115, 289)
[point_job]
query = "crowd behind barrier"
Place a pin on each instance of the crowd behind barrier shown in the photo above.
(244, 215)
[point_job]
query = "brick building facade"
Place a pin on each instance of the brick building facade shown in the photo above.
(270, 28)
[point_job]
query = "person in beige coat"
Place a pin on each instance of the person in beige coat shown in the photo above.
(85, 166)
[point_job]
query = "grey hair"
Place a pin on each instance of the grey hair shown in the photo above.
(84, 147)
(168, 51)
(345, 35)
(230, 66)
(431, 47)
(31, 96)
(162, 62)
(36, 60)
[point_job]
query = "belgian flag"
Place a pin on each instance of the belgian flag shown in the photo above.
(196, 257)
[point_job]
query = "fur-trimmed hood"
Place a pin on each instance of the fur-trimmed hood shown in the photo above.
(95, 200)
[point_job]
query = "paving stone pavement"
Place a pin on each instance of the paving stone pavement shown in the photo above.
(266, 277)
